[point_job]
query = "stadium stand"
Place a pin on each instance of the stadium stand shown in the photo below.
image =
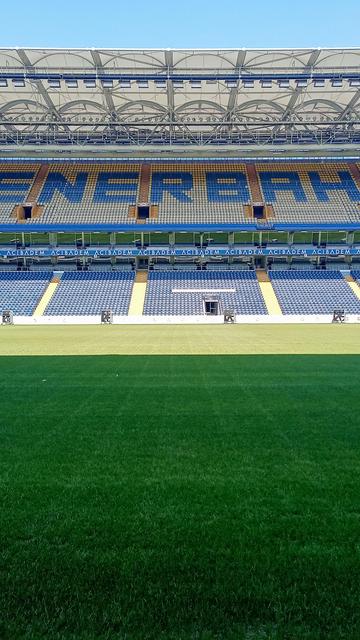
(244, 296)
(310, 193)
(313, 292)
(87, 193)
(209, 194)
(15, 184)
(212, 193)
(84, 293)
(21, 291)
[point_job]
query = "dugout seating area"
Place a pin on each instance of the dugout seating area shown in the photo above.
(313, 292)
(21, 291)
(89, 293)
(162, 298)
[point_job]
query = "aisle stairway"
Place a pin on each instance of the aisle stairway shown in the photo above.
(138, 294)
(268, 293)
(353, 284)
(47, 295)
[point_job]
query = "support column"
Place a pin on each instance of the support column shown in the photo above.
(53, 239)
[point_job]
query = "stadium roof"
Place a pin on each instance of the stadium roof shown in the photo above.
(162, 101)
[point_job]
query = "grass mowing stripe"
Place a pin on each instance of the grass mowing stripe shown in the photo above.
(180, 497)
(180, 339)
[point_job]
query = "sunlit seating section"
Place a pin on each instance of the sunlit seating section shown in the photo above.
(200, 193)
(310, 193)
(20, 291)
(15, 184)
(313, 292)
(183, 292)
(89, 293)
(87, 193)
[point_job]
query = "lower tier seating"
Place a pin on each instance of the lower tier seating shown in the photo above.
(20, 291)
(89, 293)
(313, 292)
(162, 298)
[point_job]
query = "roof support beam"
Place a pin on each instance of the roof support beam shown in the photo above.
(353, 102)
(109, 102)
(169, 61)
(234, 91)
(41, 88)
(293, 100)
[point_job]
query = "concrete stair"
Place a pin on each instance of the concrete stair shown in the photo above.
(253, 180)
(355, 172)
(268, 293)
(136, 306)
(38, 183)
(47, 295)
(353, 285)
(145, 178)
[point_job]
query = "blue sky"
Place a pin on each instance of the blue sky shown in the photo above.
(180, 23)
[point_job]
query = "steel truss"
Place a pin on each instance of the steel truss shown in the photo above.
(174, 98)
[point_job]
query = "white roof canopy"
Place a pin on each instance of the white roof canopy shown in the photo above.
(171, 99)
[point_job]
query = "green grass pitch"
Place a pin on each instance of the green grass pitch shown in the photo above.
(190, 497)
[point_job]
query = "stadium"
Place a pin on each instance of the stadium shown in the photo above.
(180, 307)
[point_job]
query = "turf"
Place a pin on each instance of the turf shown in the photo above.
(178, 498)
(180, 339)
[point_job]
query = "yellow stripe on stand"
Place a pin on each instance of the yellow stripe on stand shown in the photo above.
(136, 306)
(48, 294)
(267, 290)
(353, 285)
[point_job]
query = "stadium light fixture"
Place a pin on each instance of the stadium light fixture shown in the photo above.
(354, 83)
(90, 83)
(3, 82)
(302, 82)
(319, 82)
(266, 84)
(18, 82)
(143, 84)
(284, 84)
(248, 84)
(337, 82)
(54, 83)
(107, 83)
(125, 84)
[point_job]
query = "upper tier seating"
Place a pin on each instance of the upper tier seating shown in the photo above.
(313, 292)
(88, 193)
(200, 193)
(15, 184)
(206, 193)
(20, 291)
(89, 293)
(161, 299)
(299, 193)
